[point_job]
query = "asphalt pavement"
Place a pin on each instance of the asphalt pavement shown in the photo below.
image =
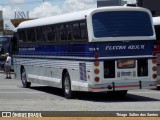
(13, 97)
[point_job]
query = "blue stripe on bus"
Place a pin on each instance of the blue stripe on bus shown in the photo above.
(107, 49)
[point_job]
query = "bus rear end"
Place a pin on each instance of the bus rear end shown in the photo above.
(122, 42)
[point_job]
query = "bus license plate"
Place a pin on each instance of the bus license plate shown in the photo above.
(123, 74)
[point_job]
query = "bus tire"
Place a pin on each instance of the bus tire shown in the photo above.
(66, 86)
(24, 79)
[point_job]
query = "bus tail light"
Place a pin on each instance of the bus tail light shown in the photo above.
(154, 68)
(96, 55)
(96, 71)
(97, 79)
(154, 53)
(96, 63)
(158, 47)
(154, 61)
(154, 76)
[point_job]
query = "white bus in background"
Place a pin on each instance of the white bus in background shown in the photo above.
(156, 22)
(98, 50)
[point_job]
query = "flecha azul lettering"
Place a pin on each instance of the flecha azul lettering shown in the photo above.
(134, 47)
(115, 47)
(142, 46)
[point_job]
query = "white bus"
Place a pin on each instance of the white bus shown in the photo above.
(156, 22)
(99, 50)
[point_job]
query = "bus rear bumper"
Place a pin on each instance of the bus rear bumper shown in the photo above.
(117, 86)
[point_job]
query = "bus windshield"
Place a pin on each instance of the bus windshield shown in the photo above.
(121, 24)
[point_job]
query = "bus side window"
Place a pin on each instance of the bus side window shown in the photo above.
(40, 34)
(83, 30)
(62, 32)
(76, 31)
(48, 35)
(58, 34)
(55, 34)
(22, 36)
(31, 35)
(69, 31)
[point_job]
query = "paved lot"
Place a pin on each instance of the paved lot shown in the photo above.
(13, 97)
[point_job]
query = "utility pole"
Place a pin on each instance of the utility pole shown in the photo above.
(1, 23)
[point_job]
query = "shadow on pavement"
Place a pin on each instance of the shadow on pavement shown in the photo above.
(47, 89)
(97, 97)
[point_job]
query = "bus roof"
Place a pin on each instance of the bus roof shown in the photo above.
(156, 20)
(69, 17)
(53, 19)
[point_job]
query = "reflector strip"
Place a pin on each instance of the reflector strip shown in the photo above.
(153, 85)
(126, 86)
(98, 88)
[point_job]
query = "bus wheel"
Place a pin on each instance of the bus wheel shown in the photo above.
(24, 79)
(68, 93)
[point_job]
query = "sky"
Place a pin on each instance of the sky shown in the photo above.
(44, 8)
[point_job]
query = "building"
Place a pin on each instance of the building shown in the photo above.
(102, 3)
(16, 22)
(152, 5)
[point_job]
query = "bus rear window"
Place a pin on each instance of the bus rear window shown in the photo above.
(121, 24)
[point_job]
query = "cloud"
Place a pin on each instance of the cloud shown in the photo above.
(8, 11)
(44, 10)
(48, 9)
(16, 1)
(76, 5)
(88, 1)
(132, 1)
